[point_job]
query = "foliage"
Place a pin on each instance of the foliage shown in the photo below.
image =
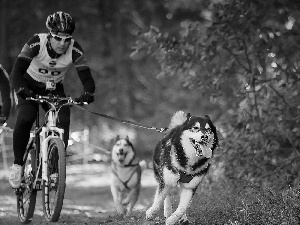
(243, 56)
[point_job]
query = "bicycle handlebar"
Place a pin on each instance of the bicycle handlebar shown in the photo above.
(52, 99)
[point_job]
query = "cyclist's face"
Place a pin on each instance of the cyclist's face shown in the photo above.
(60, 42)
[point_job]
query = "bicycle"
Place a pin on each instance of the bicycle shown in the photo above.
(44, 163)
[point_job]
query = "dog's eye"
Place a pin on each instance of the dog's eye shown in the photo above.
(195, 128)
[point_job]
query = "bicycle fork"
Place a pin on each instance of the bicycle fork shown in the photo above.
(44, 140)
(44, 148)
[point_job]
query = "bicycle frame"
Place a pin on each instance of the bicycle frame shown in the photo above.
(43, 134)
(45, 138)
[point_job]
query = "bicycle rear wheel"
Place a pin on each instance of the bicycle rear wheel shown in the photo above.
(54, 186)
(26, 194)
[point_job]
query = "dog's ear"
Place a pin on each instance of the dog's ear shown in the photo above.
(127, 138)
(214, 130)
(188, 117)
(206, 116)
(117, 137)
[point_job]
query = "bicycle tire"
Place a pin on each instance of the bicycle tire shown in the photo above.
(54, 187)
(26, 194)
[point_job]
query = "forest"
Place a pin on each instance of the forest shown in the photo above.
(234, 60)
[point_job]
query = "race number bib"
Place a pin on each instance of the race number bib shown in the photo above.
(50, 85)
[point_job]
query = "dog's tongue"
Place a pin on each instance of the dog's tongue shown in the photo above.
(206, 152)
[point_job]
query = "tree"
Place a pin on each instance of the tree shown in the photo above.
(242, 55)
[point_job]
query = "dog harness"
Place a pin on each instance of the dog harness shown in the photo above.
(134, 168)
(186, 178)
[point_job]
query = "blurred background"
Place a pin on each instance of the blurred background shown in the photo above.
(236, 61)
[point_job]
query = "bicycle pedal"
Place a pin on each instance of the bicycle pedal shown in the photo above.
(54, 176)
(17, 192)
(38, 184)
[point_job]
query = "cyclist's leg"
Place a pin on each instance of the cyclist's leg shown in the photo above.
(64, 123)
(26, 112)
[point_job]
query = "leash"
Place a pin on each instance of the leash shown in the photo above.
(123, 121)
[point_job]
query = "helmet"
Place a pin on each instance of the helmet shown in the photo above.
(60, 22)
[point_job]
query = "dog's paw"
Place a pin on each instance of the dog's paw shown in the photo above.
(172, 220)
(128, 213)
(183, 221)
(120, 210)
(125, 201)
(150, 213)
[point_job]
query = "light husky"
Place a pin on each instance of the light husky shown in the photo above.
(182, 158)
(126, 176)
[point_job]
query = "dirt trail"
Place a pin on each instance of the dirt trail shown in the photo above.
(87, 198)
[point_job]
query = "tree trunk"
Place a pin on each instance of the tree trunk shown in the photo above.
(3, 33)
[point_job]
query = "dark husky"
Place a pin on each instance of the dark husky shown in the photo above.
(126, 176)
(182, 158)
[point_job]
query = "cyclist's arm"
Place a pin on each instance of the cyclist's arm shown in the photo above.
(29, 51)
(83, 69)
(5, 92)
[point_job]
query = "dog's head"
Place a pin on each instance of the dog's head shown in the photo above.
(198, 132)
(122, 151)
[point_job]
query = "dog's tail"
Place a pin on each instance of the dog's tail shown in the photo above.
(178, 119)
(143, 164)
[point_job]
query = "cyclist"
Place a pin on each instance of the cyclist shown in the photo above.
(40, 69)
(5, 96)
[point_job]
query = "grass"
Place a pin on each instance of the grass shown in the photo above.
(222, 204)
(245, 205)
(215, 203)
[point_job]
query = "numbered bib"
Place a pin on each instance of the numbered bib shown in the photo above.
(50, 85)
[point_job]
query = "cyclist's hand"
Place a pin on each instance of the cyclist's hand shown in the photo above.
(2, 119)
(24, 93)
(86, 97)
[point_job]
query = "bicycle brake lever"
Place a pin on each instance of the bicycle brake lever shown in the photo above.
(81, 103)
(29, 98)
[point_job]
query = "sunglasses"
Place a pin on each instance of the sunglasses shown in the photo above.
(60, 38)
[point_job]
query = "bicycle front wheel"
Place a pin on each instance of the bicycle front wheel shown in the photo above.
(54, 186)
(26, 194)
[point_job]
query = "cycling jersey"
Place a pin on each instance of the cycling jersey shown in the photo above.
(44, 68)
(38, 62)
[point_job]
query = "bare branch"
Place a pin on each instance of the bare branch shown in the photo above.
(277, 92)
(237, 59)
(247, 56)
